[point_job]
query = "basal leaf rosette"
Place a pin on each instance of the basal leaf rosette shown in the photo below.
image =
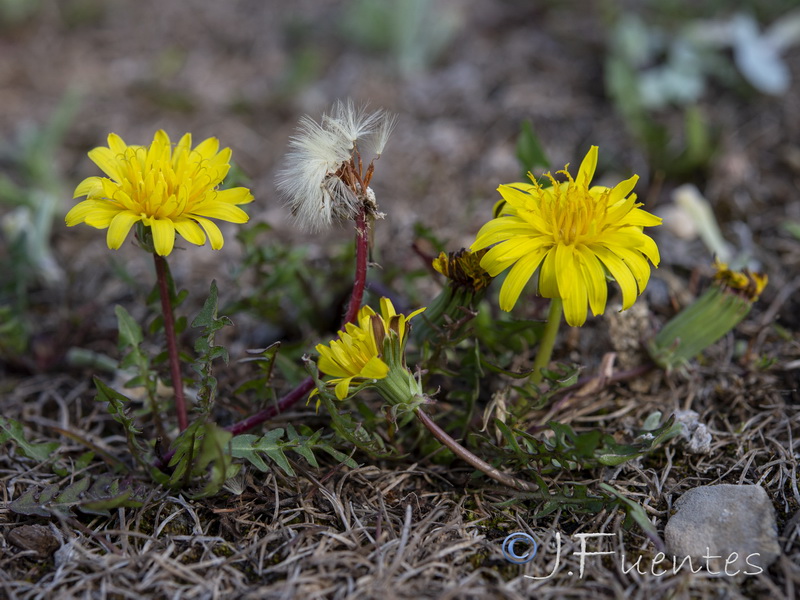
(372, 351)
(573, 235)
(168, 189)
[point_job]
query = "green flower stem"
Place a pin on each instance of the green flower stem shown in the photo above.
(472, 460)
(548, 340)
(172, 344)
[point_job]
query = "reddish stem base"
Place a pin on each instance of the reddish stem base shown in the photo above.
(172, 343)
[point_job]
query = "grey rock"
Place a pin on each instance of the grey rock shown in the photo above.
(729, 529)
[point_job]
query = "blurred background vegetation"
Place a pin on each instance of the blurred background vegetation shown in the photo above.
(679, 92)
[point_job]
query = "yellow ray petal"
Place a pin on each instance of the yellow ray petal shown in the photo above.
(328, 365)
(343, 387)
(517, 277)
(595, 279)
(91, 187)
(500, 229)
(221, 210)
(637, 264)
(183, 148)
(622, 189)
(163, 236)
(120, 227)
(190, 231)
(548, 281)
(588, 167)
(212, 231)
(642, 218)
(575, 304)
(79, 212)
(101, 215)
(208, 148)
(621, 273)
(567, 270)
(116, 144)
(237, 195)
(375, 368)
(107, 161)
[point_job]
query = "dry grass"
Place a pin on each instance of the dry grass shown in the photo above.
(408, 529)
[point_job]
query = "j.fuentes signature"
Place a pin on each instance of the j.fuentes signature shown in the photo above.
(521, 548)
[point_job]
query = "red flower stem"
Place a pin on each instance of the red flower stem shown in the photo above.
(265, 415)
(472, 460)
(305, 386)
(360, 281)
(172, 344)
(357, 295)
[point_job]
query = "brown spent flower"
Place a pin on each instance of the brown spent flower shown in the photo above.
(463, 268)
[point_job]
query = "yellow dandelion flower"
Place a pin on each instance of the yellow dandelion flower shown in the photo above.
(167, 189)
(359, 352)
(574, 235)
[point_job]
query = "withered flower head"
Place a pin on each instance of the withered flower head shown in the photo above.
(463, 268)
(744, 282)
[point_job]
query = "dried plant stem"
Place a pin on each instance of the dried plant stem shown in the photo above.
(359, 283)
(548, 340)
(172, 343)
(472, 460)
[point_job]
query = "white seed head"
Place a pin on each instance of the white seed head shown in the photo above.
(384, 130)
(310, 179)
(350, 122)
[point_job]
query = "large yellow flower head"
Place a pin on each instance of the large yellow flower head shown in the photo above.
(366, 350)
(167, 189)
(574, 235)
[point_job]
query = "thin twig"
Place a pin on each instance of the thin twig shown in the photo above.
(468, 457)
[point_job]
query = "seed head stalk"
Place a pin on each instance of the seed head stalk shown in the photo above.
(356, 297)
(360, 280)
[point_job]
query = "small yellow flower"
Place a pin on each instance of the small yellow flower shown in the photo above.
(574, 234)
(359, 352)
(166, 189)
